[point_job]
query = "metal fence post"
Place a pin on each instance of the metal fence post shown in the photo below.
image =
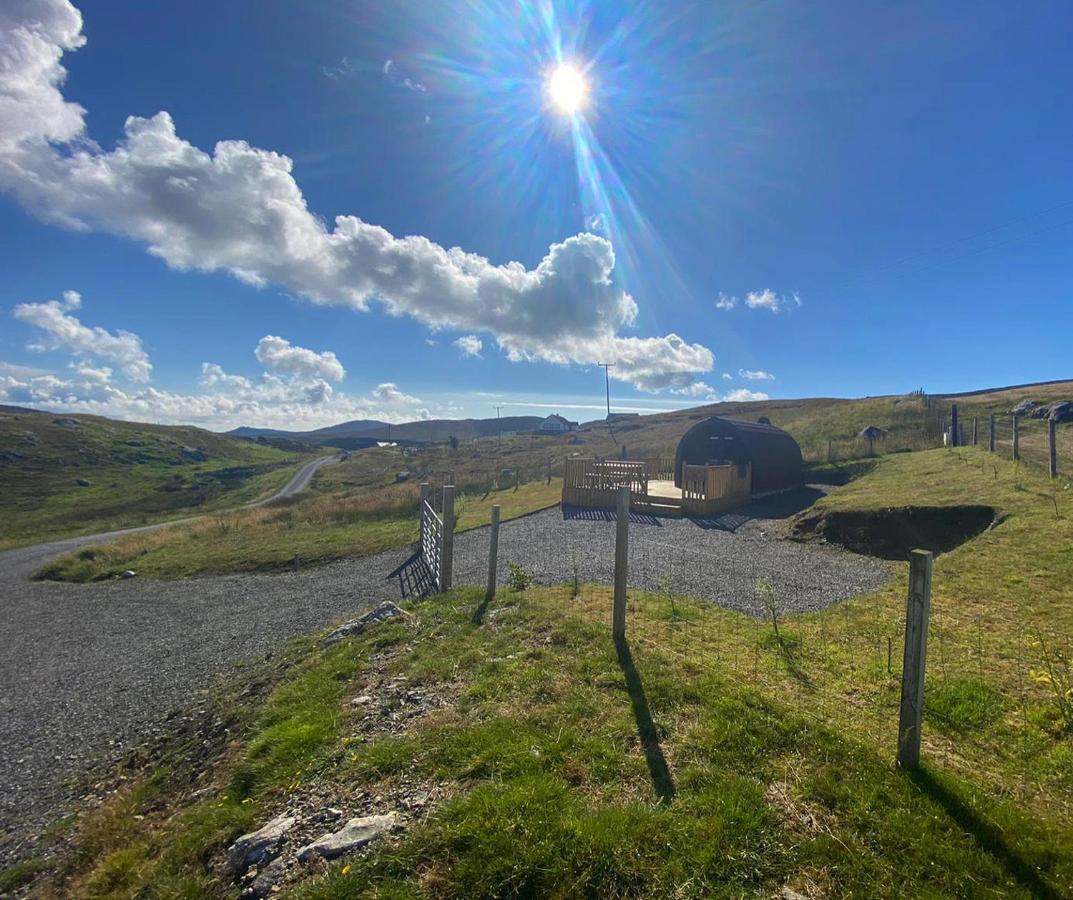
(1016, 440)
(493, 552)
(917, 611)
(955, 429)
(1052, 446)
(447, 552)
(622, 556)
(991, 433)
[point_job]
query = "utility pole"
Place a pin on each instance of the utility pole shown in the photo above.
(607, 383)
(499, 430)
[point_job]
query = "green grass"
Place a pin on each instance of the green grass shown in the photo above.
(103, 475)
(301, 531)
(567, 768)
(20, 873)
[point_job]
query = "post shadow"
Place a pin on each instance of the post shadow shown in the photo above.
(479, 612)
(658, 770)
(988, 836)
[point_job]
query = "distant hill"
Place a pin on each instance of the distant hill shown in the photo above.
(355, 426)
(358, 431)
(63, 474)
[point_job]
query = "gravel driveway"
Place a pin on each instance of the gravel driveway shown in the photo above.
(86, 668)
(718, 560)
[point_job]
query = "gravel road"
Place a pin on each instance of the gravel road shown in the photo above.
(85, 669)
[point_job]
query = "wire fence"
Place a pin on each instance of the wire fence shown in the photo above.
(1023, 438)
(812, 629)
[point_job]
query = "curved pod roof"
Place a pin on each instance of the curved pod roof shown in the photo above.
(774, 454)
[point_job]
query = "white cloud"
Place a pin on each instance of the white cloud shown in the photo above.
(743, 395)
(726, 376)
(597, 223)
(724, 302)
(238, 209)
(282, 357)
(390, 394)
(755, 375)
(768, 299)
(213, 375)
(391, 72)
(228, 400)
(469, 345)
(64, 331)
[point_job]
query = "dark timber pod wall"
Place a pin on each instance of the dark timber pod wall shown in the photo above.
(774, 455)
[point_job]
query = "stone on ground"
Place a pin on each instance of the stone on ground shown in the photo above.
(385, 611)
(254, 848)
(356, 833)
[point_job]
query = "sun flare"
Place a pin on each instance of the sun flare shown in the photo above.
(567, 88)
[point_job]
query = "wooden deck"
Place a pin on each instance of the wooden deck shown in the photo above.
(709, 490)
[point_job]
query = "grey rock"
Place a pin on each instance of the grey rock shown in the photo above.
(362, 700)
(82, 482)
(67, 422)
(356, 833)
(193, 454)
(128, 573)
(254, 848)
(1061, 412)
(1023, 408)
(266, 880)
(385, 611)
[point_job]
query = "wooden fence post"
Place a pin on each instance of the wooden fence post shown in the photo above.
(447, 552)
(493, 552)
(1052, 445)
(991, 433)
(975, 430)
(1016, 440)
(955, 429)
(622, 558)
(917, 611)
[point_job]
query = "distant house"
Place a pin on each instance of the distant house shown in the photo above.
(556, 424)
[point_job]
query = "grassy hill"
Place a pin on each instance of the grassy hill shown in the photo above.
(62, 476)
(530, 757)
(423, 431)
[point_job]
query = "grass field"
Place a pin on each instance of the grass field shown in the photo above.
(301, 531)
(707, 758)
(62, 476)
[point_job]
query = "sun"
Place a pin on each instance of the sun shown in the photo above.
(567, 88)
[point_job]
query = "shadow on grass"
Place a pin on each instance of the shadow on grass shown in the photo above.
(662, 781)
(988, 836)
(479, 612)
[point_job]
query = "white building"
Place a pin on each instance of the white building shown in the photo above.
(556, 424)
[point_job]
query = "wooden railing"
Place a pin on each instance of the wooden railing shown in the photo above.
(706, 490)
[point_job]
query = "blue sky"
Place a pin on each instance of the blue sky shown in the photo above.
(787, 199)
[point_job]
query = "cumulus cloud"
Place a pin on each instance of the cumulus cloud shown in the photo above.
(726, 376)
(239, 209)
(213, 375)
(293, 393)
(742, 395)
(389, 393)
(768, 299)
(755, 375)
(469, 345)
(725, 303)
(282, 357)
(63, 331)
